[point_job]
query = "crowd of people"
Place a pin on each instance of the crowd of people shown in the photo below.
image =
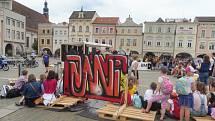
(192, 94)
(32, 90)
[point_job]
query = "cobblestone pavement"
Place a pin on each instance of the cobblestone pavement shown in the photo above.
(39, 114)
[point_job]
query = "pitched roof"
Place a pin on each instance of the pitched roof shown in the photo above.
(205, 19)
(33, 18)
(106, 20)
(86, 14)
(160, 20)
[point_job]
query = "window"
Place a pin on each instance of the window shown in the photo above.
(61, 32)
(35, 40)
(103, 30)
(44, 31)
(97, 30)
(189, 43)
(65, 41)
(122, 31)
(167, 44)
(135, 30)
(79, 39)
(150, 29)
(60, 42)
(158, 44)
(80, 28)
(191, 28)
(180, 43)
(211, 46)
(22, 35)
(23, 25)
(203, 34)
(87, 29)
(149, 43)
(18, 34)
(96, 41)
(56, 32)
(128, 42)
(73, 39)
(213, 34)
(8, 21)
(103, 41)
(135, 42)
(43, 41)
(73, 28)
(159, 29)
(48, 31)
(8, 33)
(27, 41)
(129, 30)
(144, 42)
(14, 23)
(181, 28)
(110, 42)
(122, 42)
(48, 41)
(168, 29)
(87, 40)
(13, 34)
(111, 30)
(65, 32)
(202, 45)
(55, 42)
(18, 24)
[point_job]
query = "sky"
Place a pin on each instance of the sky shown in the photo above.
(140, 10)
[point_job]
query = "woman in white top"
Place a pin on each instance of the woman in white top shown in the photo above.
(200, 107)
(134, 66)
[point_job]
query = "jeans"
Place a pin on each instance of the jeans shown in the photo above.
(204, 77)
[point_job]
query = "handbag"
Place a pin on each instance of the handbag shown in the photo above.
(39, 99)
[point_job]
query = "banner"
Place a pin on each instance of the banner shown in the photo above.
(144, 66)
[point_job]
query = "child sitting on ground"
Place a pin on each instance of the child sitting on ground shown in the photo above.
(200, 107)
(132, 85)
(211, 94)
(173, 106)
(148, 95)
(163, 97)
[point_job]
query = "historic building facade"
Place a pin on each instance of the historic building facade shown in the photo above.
(45, 38)
(185, 39)
(104, 30)
(205, 35)
(129, 36)
(60, 36)
(159, 37)
(80, 25)
(12, 30)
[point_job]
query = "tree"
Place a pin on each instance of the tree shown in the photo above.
(35, 46)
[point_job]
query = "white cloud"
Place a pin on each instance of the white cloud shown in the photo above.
(140, 10)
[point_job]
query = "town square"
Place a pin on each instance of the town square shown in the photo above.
(120, 60)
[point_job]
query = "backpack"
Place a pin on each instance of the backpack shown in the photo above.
(166, 86)
(182, 86)
(203, 112)
(137, 103)
(176, 111)
(213, 113)
(4, 90)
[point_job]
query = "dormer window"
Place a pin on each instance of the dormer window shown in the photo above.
(81, 15)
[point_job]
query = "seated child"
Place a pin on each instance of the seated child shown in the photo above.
(148, 95)
(132, 85)
(211, 94)
(173, 106)
(200, 107)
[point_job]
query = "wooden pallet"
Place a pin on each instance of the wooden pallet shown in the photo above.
(110, 112)
(65, 101)
(206, 118)
(130, 113)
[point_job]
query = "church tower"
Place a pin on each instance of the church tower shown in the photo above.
(46, 10)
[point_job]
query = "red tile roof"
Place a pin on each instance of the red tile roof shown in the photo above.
(106, 20)
(33, 18)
